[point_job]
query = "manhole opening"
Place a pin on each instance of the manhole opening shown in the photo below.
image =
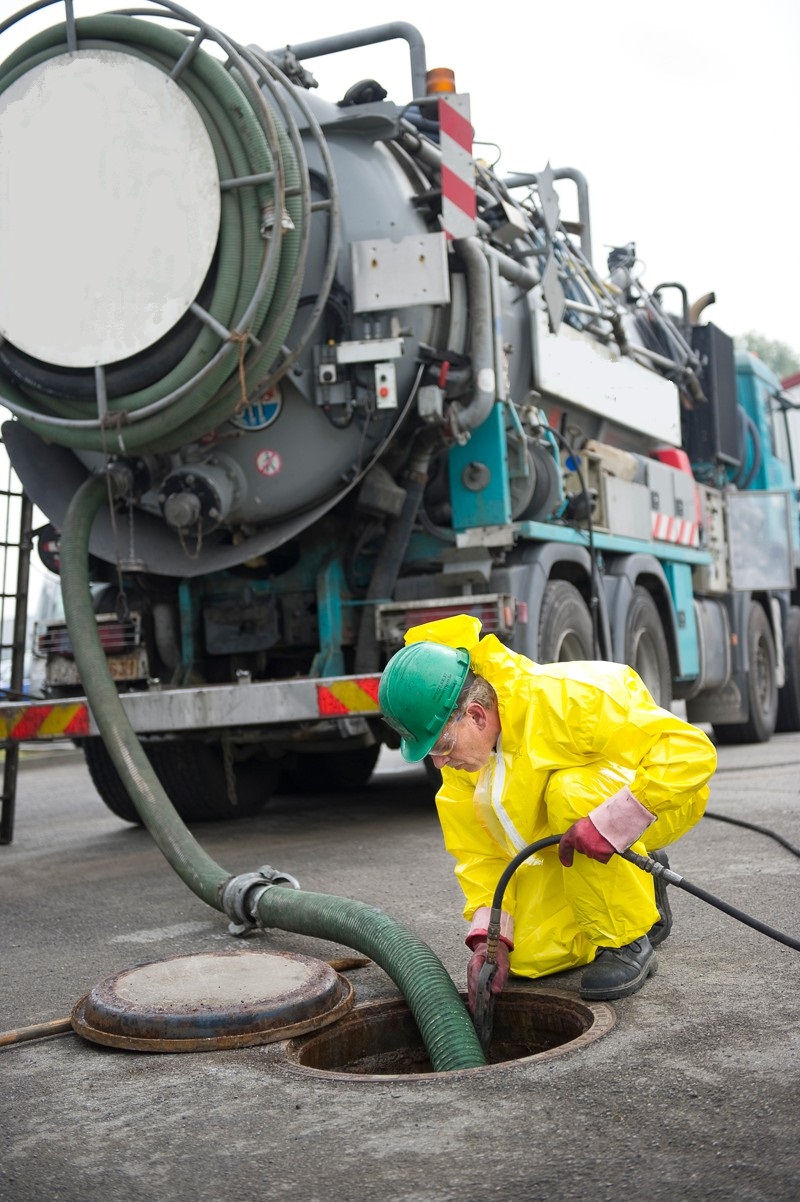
(380, 1039)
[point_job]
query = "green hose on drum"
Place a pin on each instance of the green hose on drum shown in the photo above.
(255, 282)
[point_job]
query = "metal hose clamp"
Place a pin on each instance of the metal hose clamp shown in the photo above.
(242, 894)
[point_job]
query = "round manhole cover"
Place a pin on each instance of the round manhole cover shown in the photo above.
(213, 1000)
(377, 1040)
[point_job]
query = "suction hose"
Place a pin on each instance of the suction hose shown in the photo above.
(443, 1021)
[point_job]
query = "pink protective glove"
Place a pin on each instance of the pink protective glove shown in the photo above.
(477, 961)
(583, 836)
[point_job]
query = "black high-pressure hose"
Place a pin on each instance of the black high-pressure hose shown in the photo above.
(753, 826)
(646, 865)
(672, 878)
(484, 1001)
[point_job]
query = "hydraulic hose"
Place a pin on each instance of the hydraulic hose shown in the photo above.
(432, 997)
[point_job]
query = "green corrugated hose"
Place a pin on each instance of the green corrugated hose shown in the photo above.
(433, 999)
(242, 149)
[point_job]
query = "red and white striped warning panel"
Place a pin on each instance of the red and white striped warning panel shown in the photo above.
(357, 695)
(61, 720)
(669, 529)
(459, 209)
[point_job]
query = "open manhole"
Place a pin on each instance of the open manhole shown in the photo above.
(377, 1040)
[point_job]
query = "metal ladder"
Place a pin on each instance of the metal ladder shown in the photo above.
(16, 541)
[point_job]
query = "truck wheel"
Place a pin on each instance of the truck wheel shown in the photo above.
(199, 785)
(106, 780)
(762, 691)
(193, 776)
(332, 772)
(646, 649)
(565, 625)
(789, 695)
(433, 774)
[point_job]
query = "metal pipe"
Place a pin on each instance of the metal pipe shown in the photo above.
(366, 37)
(697, 307)
(524, 276)
(470, 416)
(497, 329)
(519, 180)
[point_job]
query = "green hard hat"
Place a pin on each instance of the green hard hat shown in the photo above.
(418, 692)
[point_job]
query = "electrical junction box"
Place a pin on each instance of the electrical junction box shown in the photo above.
(713, 577)
(623, 505)
(685, 494)
(627, 507)
(673, 505)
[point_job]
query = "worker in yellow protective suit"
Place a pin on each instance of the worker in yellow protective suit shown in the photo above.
(526, 750)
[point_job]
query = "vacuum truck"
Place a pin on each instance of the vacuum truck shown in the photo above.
(343, 377)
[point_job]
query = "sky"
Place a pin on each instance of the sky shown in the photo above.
(682, 116)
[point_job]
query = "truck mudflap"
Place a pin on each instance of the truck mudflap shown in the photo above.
(208, 707)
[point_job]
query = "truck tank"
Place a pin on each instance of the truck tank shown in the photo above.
(245, 289)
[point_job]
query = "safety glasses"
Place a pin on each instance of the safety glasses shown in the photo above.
(447, 739)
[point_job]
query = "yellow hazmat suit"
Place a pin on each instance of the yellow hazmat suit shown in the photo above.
(572, 734)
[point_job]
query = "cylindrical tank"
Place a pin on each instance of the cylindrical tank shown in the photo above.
(250, 295)
(230, 293)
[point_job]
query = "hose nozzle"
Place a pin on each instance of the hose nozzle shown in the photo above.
(652, 866)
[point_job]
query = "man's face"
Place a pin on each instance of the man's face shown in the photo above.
(467, 740)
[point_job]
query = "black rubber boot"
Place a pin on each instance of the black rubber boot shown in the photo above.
(618, 971)
(659, 930)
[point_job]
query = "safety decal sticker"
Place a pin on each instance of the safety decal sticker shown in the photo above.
(21, 723)
(269, 462)
(358, 695)
(260, 413)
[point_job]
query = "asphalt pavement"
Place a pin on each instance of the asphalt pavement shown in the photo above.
(692, 1094)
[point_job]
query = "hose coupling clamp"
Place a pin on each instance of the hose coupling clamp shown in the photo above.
(241, 895)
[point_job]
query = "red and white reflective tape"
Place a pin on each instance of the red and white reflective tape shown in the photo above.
(459, 208)
(669, 529)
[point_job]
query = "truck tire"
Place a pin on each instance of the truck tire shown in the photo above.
(565, 625)
(193, 777)
(105, 779)
(789, 695)
(646, 649)
(196, 781)
(433, 774)
(334, 772)
(762, 690)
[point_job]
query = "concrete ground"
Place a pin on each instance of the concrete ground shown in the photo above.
(692, 1095)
